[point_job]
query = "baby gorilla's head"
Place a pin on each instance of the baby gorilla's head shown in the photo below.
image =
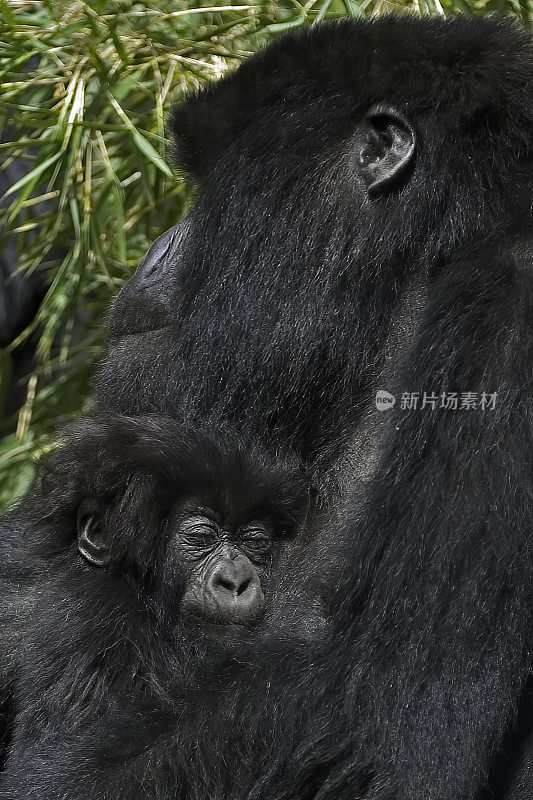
(196, 520)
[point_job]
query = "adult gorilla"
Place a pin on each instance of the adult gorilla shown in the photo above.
(363, 224)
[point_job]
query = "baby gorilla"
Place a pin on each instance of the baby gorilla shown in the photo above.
(162, 553)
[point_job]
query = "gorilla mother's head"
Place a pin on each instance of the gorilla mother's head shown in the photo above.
(336, 168)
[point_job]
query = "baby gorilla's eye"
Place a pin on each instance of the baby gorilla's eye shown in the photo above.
(255, 539)
(198, 531)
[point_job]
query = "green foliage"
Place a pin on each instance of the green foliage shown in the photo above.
(84, 87)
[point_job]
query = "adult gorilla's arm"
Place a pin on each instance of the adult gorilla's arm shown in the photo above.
(444, 645)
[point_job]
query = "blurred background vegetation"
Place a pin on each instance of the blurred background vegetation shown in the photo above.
(84, 89)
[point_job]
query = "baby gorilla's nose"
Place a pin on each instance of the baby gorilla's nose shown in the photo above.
(235, 590)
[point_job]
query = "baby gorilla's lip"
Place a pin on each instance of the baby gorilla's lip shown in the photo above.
(212, 625)
(213, 619)
(217, 620)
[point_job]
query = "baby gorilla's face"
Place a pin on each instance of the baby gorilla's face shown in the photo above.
(224, 563)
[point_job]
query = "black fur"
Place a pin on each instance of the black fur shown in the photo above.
(294, 298)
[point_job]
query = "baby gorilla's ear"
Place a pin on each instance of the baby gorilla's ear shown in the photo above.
(93, 541)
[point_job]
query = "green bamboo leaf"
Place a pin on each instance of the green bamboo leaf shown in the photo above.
(323, 10)
(353, 8)
(34, 174)
(7, 14)
(141, 142)
(151, 153)
(281, 27)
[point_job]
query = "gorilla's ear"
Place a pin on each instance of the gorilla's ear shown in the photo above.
(387, 148)
(92, 538)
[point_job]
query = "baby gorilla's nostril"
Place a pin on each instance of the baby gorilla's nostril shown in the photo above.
(235, 586)
(244, 585)
(225, 584)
